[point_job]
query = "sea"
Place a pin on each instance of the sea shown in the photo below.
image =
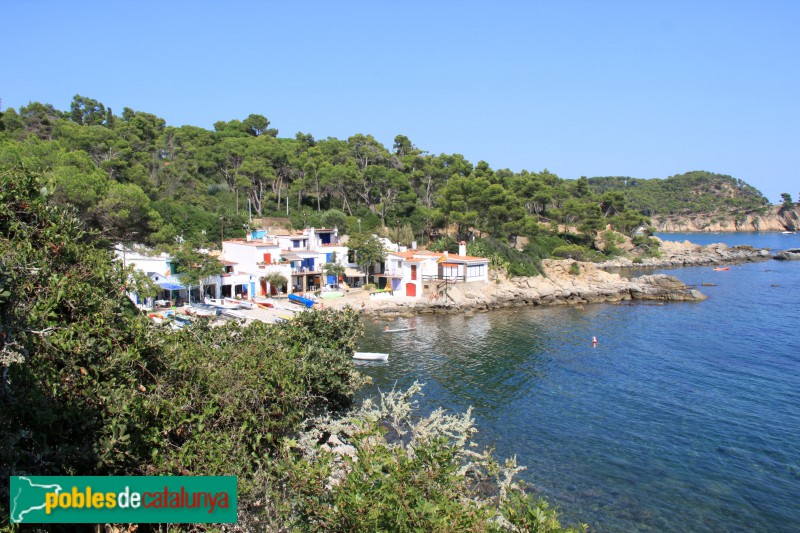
(684, 417)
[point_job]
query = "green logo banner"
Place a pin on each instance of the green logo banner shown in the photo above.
(121, 499)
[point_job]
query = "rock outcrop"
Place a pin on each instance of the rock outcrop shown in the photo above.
(677, 254)
(788, 255)
(777, 218)
(559, 286)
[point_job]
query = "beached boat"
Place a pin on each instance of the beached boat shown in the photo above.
(371, 356)
(284, 317)
(205, 311)
(221, 303)
(308, 302)
(242, 304)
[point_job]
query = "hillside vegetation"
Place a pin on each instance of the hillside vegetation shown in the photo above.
(134, 178)
(683, 194)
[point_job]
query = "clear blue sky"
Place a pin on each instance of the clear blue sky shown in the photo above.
(638, 88)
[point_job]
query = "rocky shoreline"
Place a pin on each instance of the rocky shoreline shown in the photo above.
(563, 285)
(679, 254)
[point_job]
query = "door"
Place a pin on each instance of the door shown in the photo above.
(411, 289)
(414, 272)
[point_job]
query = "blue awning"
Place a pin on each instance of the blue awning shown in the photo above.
(169, 286)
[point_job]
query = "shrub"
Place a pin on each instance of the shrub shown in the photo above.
(383, 468)
(575, 269)
(573, 251)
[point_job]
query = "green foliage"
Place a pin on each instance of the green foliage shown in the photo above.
(692, 192)
(501, 255)
(383, 468)
(333, 218)
(194, 266)
(277, 280)
(575, 269)
(574, 251)
(444, 244)
(368, 249)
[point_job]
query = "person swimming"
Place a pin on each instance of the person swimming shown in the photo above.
(594, 342)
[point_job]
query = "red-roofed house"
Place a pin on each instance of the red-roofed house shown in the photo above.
(410, 273)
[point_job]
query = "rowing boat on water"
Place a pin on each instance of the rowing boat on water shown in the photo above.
(371, 356)
(397, 330)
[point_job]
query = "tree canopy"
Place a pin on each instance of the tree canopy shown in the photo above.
(133, 177)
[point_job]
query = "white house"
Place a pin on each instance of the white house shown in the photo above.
(409, 273)
(247, 263)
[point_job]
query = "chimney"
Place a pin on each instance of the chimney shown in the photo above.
(249, 237)
(413, 245)
(462, 248)
(264, 239)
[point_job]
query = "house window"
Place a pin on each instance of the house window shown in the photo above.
(449, 271)
(413, 272)
(476, 271)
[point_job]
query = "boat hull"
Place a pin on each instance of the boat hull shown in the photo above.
(370, 356)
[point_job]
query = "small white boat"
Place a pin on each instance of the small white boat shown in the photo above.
(788, 232)
(230, 313)
(243, 304)
(221, 303)
(202, 311)
(397, 330)
(371, 356)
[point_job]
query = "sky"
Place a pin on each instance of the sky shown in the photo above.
(646, 89)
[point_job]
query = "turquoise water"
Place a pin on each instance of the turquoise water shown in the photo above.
(686, 417)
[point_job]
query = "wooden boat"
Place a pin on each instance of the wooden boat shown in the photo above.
(397, 330)
(720, 269)
(265, 305)
(371, 356)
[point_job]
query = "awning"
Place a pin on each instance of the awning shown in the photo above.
(353, 273)
(166, 285)
(291, 257)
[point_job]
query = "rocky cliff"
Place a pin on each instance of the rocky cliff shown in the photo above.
(776, 219)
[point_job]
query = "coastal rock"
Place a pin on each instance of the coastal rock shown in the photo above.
(686, 254)
(664, 287)
(776, 218)
(788, 255)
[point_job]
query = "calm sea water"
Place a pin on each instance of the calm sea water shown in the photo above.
(686, 417)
